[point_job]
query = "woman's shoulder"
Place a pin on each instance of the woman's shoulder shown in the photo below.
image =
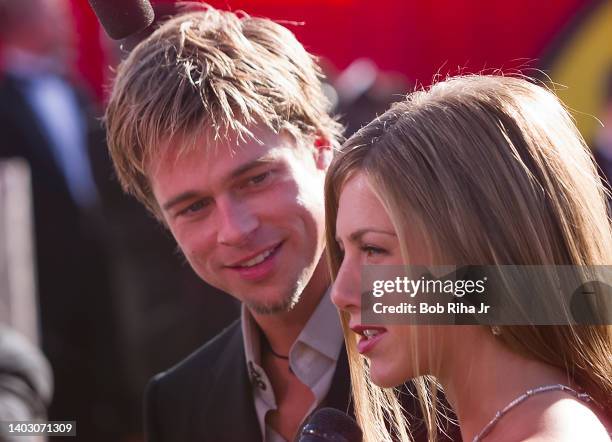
(554, 417)
(569, 419)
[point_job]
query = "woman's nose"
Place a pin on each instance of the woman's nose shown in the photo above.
(345, 291)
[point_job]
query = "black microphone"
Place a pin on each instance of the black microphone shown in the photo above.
(122, 18)
(330, 425)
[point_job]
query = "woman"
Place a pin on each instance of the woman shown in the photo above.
(479, 170)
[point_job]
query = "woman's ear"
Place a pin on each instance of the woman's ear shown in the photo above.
(323, 153)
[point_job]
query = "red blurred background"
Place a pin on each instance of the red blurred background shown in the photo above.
(416, 38)
(420, 39)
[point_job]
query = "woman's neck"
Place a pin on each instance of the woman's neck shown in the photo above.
(481, 376)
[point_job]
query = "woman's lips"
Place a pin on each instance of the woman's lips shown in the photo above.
(370, 336)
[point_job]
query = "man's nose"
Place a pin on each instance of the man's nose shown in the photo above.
(346, 288)
(236, 222)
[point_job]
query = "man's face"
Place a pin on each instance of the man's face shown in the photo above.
(249, 218)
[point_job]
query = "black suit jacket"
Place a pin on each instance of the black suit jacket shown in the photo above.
(207, 397)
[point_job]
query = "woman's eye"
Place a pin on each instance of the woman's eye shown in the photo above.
(372, 251)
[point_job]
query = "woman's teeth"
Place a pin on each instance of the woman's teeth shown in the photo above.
(370, 333)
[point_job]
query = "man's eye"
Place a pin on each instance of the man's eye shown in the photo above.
(193, 208)
(258, 179)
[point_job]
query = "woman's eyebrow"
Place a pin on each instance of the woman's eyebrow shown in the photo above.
(357, 234)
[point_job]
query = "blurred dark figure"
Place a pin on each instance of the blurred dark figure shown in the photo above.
(47, 121)
(363, 92)
(26, 382)
(603, 139)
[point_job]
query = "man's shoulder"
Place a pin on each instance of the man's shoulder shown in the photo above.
(205, 359)
(179, 401)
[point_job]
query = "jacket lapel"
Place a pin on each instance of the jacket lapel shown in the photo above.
(229, 411)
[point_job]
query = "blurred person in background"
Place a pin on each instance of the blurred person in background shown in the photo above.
(26, 382)
(47, 121)
(602, 148)
(364, 92)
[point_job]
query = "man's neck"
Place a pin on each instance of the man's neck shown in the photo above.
(282, 329)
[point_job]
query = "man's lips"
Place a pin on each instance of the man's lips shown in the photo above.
(254, 258)
(370, 336)
(259, 267)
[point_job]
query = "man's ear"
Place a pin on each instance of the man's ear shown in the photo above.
(322, 152)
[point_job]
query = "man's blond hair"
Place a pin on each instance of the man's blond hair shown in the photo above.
(215, 73)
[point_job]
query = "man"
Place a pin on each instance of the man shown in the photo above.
(217, 123)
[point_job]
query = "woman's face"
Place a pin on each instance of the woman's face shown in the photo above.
(366, 236)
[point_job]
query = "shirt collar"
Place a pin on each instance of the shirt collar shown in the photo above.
(322, 332)
(312, 357)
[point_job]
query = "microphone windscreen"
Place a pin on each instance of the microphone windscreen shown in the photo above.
(330, 425)
(122, 18)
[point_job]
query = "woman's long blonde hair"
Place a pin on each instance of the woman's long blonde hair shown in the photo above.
(493, 170)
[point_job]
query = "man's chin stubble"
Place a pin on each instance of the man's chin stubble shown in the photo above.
(284, 306)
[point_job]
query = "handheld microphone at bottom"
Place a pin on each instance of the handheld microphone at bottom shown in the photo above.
(330, 425)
